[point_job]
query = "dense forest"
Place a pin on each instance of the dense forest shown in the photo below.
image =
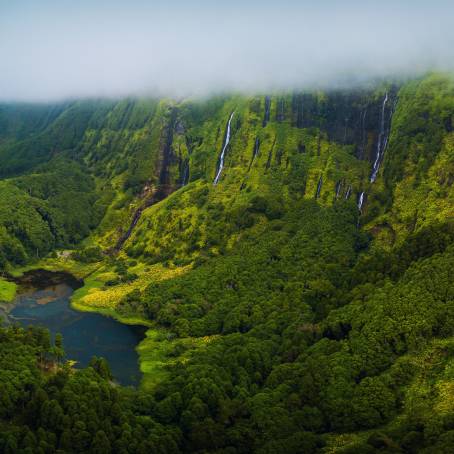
(303, 303)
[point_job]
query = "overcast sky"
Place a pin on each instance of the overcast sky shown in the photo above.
(53, 49)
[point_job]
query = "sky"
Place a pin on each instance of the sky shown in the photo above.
(60, 49)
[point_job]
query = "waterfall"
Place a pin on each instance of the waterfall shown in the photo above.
(185, 177)
(381, 143)
(319, 187)
(361, 201)
(256, 148)
(349, 191)
(338, 188)
(266, 118)
(224, 148)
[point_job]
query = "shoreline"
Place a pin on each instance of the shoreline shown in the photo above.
(34, 276)
(5, 309)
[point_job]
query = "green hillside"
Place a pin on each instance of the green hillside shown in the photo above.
(303, 303)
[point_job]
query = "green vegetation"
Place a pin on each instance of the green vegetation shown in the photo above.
(417, 189)
(46, 407)
(56, 206)
(281, 318)
(7, 290)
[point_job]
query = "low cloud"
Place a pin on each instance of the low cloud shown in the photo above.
(51, 50)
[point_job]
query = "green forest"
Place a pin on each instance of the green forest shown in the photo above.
(302, 304)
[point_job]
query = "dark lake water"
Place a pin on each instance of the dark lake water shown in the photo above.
(45, 301)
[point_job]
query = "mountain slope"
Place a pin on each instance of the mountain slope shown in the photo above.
(303, 303)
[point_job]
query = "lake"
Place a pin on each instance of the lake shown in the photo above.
(45, 300)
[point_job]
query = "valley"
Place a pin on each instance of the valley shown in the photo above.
(289, 257)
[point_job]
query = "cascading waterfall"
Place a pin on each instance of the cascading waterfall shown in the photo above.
(361, 201)
(319, 187)
(381, 143)
(338, 188)
(256, 148)
(224, 148)
(185, 177)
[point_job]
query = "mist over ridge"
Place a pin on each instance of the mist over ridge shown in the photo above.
(54, 50)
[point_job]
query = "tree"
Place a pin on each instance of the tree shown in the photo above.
(182, 327)
(101, 366)
(57, 350)
(100, 443)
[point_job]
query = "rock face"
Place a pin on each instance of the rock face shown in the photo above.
(349, 118)
(165, 186)
(280, 110)
(267, 114)
(384, 128)
(140, 151)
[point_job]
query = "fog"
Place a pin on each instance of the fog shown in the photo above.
(51, 50)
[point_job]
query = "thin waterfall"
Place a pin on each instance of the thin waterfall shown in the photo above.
(256, 148)
(185, 177)
(349, 191)
(224, 148)
(319, 187)
(361, 201)
(338, 188)
(381, 143)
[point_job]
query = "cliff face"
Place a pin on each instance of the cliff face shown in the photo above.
(334, 146)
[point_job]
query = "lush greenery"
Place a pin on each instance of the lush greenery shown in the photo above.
(55, 206)
(282, 317)
(46, 407)
(7, 290)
